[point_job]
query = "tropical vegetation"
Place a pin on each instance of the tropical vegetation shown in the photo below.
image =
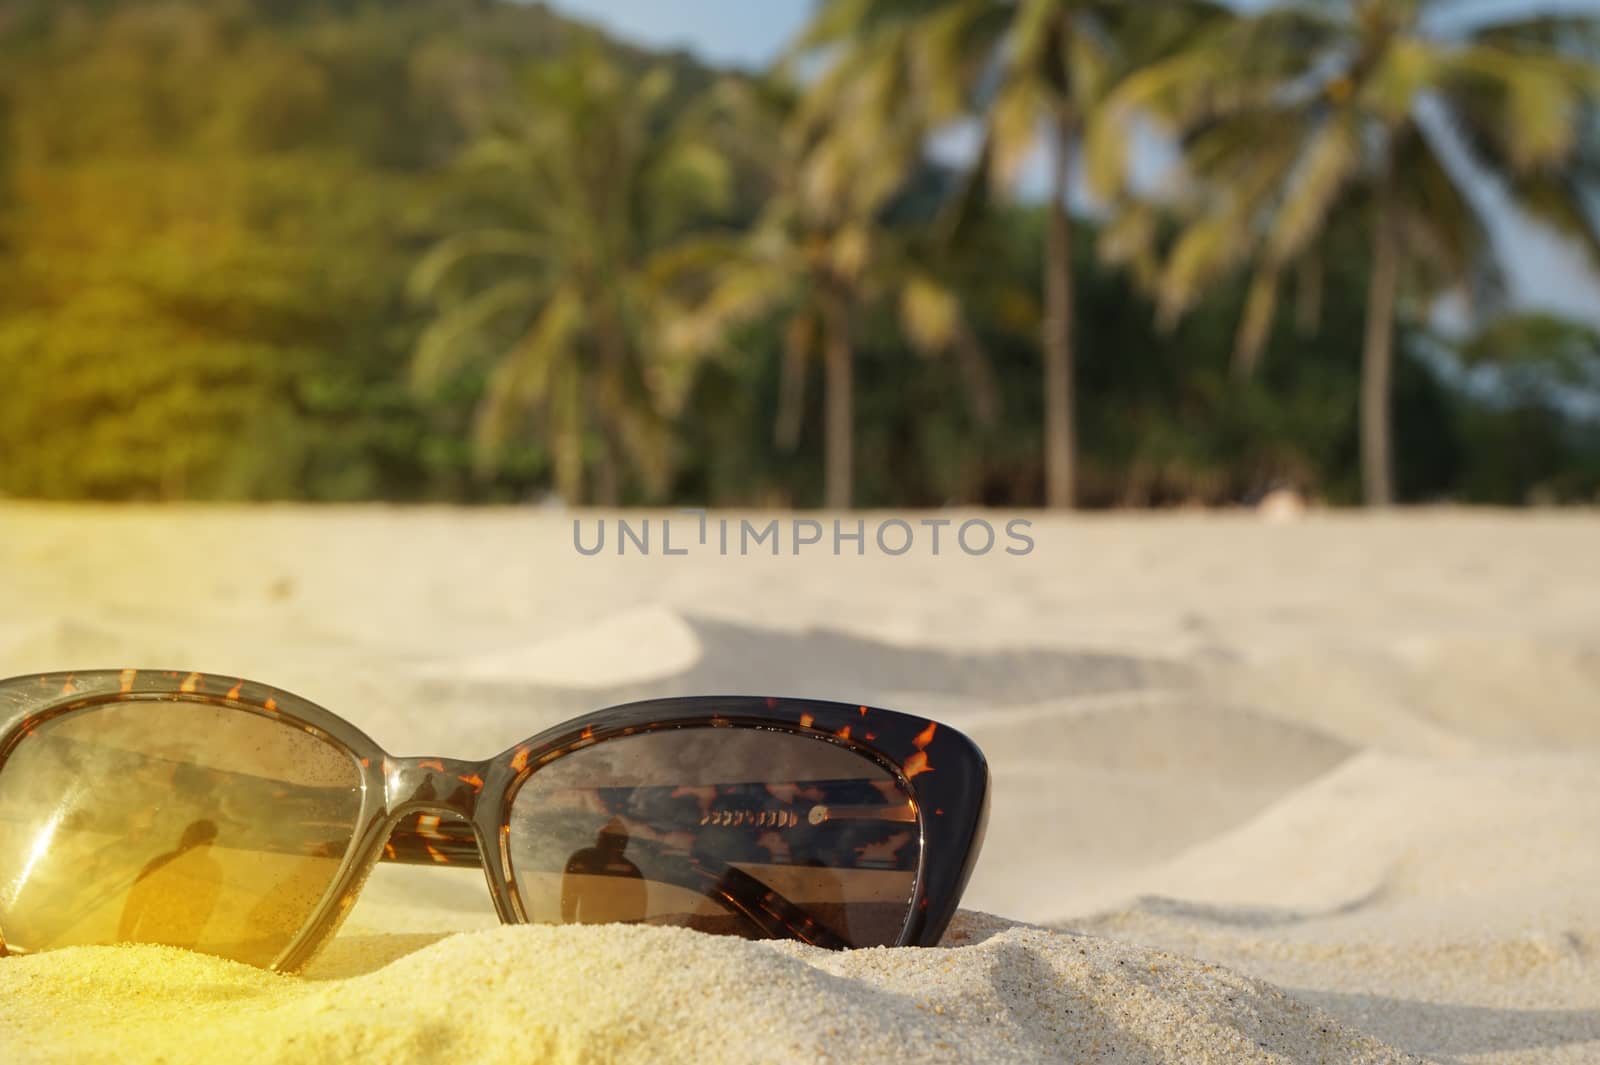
(1307, 118)
(472, 251)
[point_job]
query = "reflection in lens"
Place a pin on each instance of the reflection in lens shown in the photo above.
(171, 822)
(740, 831)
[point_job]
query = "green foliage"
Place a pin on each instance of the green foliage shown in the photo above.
(1297, 123)
(205, 296)
(1532, 432)
(551, 291)
(1303, 121)
(394, 240)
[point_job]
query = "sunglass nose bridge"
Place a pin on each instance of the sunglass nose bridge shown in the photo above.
(438, 784)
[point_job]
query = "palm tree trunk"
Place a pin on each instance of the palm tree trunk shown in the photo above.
(977, 379)
(605, 481)
(608, 478)
(839, 400)
(611, 403)
(1377, 359)
(1059, 443)
(797, 346)
(1308, 300)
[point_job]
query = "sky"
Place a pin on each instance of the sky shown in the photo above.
(1545, 273)
(750, 33)
(745, 33)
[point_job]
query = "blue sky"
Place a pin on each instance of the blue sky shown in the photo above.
(751, 32)
(735, 32)
(1545, 272)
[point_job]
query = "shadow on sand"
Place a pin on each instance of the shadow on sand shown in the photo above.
(828, 664)
(1447, 1033)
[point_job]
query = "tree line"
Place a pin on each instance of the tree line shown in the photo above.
(440, 249)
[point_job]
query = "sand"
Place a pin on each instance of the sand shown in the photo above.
(1321, 790)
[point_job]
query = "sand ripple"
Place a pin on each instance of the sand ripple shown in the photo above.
(621, 994)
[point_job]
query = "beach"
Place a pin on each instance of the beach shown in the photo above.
(1320, 789)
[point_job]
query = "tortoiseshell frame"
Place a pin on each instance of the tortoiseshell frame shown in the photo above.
(404, 799)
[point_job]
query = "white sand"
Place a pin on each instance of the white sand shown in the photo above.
(1358, 758)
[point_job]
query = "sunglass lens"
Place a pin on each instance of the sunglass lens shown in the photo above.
(731, 830)
(172, 822)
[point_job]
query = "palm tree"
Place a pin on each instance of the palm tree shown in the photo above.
(800, 260)
(808, 278)
(1309, 118)
(816, 257)
(580, 191)
(1027, 68)
(817, 283)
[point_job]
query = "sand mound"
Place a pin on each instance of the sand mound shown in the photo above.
(622, 994)
(632, 647)
(40, 645)
(1474, 835)
(1521, 693)
(1445, 698)
(1360, 697)
(1093, 796)
(1156, 731)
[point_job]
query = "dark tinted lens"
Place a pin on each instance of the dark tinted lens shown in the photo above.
(740, 831)
(171, 822)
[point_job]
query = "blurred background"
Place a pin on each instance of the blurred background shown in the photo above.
(884, 253)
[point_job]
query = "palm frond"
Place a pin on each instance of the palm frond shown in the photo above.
(448, 342)
(1550, 167)
(1092, 60)
(522, 381)
(953, 52)
(1404, 71)
(961, 212)
(835, 23)
(1034, 24)
(1177, 93)
(693, 261)
(1332, 159)
(1228, 65)
(1565, 202)
(1205, 249)
(1441, 229)
(743, 291)
(1520, 112)
(1255, 326)
(676, 182)
(1015, 123)
(929, 314)
(1151, 32)
(1576, 34)
(1129, 239)
(456, 251)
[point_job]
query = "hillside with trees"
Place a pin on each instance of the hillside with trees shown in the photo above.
(466, 250)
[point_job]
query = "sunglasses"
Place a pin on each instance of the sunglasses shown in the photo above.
(239, 820)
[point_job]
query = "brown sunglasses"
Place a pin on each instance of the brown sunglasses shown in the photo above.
(235, 819)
